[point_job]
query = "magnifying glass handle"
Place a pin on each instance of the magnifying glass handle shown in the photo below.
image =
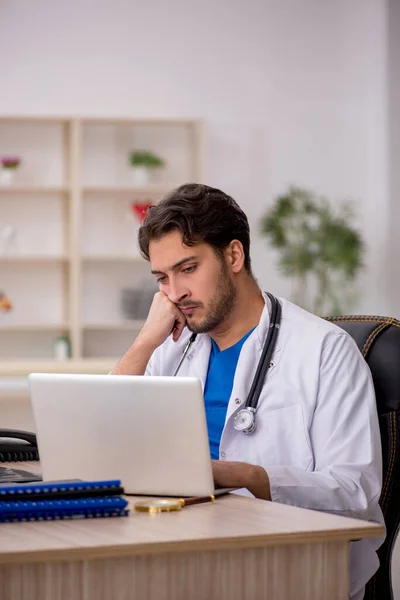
(189, 501)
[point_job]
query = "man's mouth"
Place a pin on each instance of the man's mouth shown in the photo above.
(188, 310)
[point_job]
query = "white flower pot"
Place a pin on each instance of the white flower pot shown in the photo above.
(6, 176)
(140, 176)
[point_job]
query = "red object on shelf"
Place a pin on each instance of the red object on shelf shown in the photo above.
(140, 209)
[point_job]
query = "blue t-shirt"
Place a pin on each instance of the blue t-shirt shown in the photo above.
(218, 389)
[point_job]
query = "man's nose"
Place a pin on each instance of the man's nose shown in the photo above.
(177, 293)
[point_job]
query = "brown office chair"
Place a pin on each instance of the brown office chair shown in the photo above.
(379, 341)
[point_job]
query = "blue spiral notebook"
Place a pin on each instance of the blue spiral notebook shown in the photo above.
(60, 489)
(50, 510)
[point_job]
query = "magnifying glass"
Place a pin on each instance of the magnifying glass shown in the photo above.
(158, 505)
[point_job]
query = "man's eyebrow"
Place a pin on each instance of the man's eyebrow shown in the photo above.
(176, 265)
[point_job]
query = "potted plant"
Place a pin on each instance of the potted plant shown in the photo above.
(319, 249)
(8, 166)
(142, 163)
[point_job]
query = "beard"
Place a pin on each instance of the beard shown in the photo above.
(220, 306)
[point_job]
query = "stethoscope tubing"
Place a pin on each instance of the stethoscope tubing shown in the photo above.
(184, 353)
(263, 364)
(269, 346)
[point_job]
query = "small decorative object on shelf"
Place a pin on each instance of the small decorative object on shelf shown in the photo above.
(136, 302)
(62, 348)
(5, 303)
(9, 164)
(143, 162)
(140, 209)
(8, 240)
(137, 212)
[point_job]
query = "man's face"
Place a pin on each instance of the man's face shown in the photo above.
(195, 279)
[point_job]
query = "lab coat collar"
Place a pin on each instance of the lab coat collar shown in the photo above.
(202, 346)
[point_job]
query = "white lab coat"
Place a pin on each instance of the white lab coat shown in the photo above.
(317, 432)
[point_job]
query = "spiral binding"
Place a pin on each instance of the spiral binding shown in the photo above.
(50, 510)
(63, 515)
(56, 490)
(19, 456)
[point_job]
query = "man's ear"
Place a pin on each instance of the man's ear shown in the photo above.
(234, 255)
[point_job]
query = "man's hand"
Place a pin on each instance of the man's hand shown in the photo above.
(163, 319)
(242, 475)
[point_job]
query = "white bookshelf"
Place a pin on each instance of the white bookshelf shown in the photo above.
(75, 250)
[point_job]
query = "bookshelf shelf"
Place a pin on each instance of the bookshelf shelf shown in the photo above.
(34, 259)
(24, 368)
(28, 190)
(76, 255)
(112, 258)
(29, 327)
(124, 326)
(150, 189)
(127, 121)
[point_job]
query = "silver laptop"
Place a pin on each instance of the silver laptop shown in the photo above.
(149, 432)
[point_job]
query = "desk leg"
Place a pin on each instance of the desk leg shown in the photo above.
(295, 572)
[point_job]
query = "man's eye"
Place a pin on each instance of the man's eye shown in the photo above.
(189, 269)
(161, 280)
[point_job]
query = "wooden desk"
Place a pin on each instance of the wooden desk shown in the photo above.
(235, 548)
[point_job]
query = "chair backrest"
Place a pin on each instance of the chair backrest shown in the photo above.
(379, 341)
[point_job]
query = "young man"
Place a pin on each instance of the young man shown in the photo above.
(316, 443)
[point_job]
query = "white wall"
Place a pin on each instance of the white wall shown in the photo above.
(394, 150)
(393, 17)
(292, 91)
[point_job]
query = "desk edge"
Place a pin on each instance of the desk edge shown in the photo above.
(181, 546)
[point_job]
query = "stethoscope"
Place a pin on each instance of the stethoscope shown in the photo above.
(245, 419)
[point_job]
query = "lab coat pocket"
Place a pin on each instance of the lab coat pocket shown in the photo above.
(285, 440)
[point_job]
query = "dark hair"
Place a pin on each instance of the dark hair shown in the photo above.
(202, 214)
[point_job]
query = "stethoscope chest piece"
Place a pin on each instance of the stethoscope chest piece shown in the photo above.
(245, 420)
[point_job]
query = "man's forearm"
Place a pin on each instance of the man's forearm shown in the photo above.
(240, 474)
(258, 483)
(134, 361)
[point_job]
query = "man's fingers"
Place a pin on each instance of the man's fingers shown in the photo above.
(180, 325)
